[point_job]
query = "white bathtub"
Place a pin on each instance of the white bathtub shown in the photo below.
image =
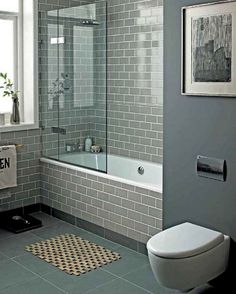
(119, 168)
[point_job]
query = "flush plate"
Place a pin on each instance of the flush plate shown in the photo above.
(212, 168)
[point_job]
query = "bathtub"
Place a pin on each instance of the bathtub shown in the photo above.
(135, 172)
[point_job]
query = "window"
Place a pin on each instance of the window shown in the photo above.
(10, 6)
(18, 53)
(8, 52)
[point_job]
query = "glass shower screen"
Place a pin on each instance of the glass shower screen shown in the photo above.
(75, 105)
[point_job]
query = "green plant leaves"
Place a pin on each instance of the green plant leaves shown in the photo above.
(8, 87)
(2, 75)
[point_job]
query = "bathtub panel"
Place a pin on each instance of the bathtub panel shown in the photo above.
(121, 208)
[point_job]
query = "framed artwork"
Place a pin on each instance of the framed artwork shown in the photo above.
(209, 49)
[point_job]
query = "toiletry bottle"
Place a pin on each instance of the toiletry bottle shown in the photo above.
(88, 144)
(66, 82)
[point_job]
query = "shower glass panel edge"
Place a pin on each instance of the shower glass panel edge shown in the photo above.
(82, 84)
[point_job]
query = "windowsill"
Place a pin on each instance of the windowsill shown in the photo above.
(21, 127)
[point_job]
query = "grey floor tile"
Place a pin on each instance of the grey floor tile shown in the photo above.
(130, 261)
(35, 264)
(101, 241)
(144, 278)
(58, 229)
(118, 286)
(36, 286)
(78, 285)
(5, 234)
(15, 246)
(3, 257)
(12, 274)
(47, 220)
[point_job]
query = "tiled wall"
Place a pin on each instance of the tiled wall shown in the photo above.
(134, 120)
(28, 171)
(135, 36)
(135, 90)
(99, 120)
(122, 208)
(135, 78)
(74, 111)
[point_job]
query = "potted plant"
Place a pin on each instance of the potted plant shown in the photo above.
(9, 91)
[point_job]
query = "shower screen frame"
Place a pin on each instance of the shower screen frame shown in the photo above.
(63, 127)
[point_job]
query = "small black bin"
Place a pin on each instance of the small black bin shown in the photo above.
(18, 222)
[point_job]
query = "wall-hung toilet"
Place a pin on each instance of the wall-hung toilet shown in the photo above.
(187, 255)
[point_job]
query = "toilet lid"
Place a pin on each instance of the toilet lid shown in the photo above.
(184, 240)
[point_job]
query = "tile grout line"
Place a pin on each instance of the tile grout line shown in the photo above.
(20, 283)
(15, 235)
(87, 232)
(118, 278)
(137, 285)
(5, 255)
(99, 286)
(91, 234)
(25, 254)
(41, 277)
(122, 278)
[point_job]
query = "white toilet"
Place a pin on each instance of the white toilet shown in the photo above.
(186, 256)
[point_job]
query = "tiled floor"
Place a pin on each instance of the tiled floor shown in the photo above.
(21, 272)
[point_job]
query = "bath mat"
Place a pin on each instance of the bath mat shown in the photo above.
(73, 254)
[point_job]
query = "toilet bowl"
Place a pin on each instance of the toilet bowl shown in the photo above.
(187, 255)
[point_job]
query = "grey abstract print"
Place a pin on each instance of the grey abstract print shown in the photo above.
(212, 48)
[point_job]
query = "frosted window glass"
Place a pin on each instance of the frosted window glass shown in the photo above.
(9, 5)
(7, 50)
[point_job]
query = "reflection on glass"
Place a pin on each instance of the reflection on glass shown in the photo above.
(74, 106)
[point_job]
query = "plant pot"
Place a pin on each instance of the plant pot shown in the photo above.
(15, 116)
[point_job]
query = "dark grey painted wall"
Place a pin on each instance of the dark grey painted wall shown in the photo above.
(192, 126)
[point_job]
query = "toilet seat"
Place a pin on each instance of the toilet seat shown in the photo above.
(187, 256)
(184, 240)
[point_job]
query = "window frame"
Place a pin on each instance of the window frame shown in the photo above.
(20, 71)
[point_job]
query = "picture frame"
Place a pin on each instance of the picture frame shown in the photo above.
(209, 49)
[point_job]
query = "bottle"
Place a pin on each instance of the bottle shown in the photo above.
(66, 82)
(88, 143)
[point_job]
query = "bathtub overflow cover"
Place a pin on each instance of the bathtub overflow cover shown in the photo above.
(141, 170)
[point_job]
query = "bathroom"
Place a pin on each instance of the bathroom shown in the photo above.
(106, 143)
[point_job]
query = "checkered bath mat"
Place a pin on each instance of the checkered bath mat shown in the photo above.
(73, 254)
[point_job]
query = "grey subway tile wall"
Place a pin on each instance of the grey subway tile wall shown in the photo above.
(125, 209)
(134, 101)
(135, 79)
(27, 191)
(134, 92)
(68, 76)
